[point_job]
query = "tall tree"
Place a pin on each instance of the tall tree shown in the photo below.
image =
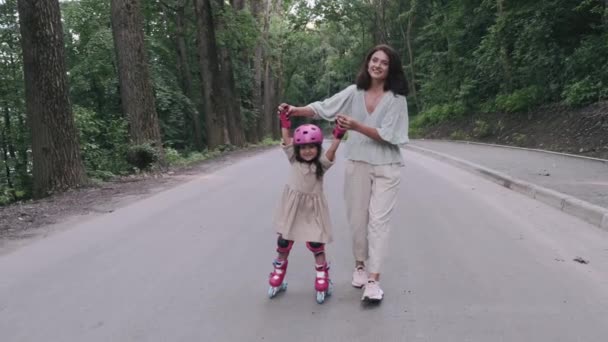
(55, 147)
(215, 107)
(259, 9)
(237, 4)
(183, 66)
(230, 93)
(136, 90)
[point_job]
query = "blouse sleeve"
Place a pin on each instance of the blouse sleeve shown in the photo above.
(395, 125)
(339, 103)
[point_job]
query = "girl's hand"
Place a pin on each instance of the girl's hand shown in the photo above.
(338, 132)
(346, 122)
(284, 119)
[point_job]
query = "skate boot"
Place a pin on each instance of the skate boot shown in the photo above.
(277, 278)
(323, 284)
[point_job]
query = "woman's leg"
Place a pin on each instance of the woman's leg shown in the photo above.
(383, 198)
(357, 193)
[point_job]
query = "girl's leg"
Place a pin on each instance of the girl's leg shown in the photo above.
(283, 248)
(322, 281)
(280, 263)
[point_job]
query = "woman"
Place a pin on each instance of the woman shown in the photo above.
(377, 120)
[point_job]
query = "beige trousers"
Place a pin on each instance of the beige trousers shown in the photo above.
(370, 192)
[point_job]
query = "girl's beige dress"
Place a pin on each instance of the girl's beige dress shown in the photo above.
(303, 214)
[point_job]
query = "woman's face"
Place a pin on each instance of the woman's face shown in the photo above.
(309, 152)
(378, 66)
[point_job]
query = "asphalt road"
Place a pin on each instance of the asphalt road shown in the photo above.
(469, 261)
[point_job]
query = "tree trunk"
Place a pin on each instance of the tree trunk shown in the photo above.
(269, 95)
(408, 39)
(238, 4)
(231, 96)
(258, 68)
(380, 33)
(504, 53)
(136, 92)
(55, 147)
(6, 151)
(184, 69)
(210, 74)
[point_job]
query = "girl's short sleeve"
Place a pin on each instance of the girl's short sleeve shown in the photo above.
(289, 152)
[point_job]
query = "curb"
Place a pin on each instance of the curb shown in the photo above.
(594, 214)
(466, 142)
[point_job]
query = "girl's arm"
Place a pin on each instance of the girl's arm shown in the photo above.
(331, 151)
(286, 136)
(338, 134)
(285, 127)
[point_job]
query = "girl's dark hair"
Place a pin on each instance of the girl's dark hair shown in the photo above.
(319, 172)
(395, 80)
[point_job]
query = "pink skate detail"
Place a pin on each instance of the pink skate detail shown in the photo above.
(338, 132)
(285, 249)
(322, 280)
(278, 274)
(284, 118)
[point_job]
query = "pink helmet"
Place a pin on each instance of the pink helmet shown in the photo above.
(308, 134)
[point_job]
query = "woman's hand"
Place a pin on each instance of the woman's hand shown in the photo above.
(346, 122)
(285, 108)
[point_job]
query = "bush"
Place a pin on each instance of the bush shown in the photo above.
(142, 156)
(482, 129)
(459, 135)
(519, 100)
(520, 139)
(582, 92)
(438, 114)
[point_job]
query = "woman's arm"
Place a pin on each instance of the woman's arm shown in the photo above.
(296, 111)
(349, 123)
(326, 109)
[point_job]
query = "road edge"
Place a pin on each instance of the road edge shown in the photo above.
(591, 213)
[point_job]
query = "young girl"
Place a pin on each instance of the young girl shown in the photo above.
(303, 214)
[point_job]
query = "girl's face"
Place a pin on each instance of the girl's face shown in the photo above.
(309, 152)
(378, 66)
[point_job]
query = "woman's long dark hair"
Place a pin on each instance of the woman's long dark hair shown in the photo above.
(395, 79)
(319, 171)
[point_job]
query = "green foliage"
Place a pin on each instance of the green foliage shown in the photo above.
(459, 135)
(143, 156)
(583, 92)
(103, 143)
(467, 56)
(520, 139)
(482, 129)
(519, 100)
(438, 114)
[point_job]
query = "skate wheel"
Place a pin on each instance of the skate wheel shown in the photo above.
(272, 291)
(284, 286)
(320, 297)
